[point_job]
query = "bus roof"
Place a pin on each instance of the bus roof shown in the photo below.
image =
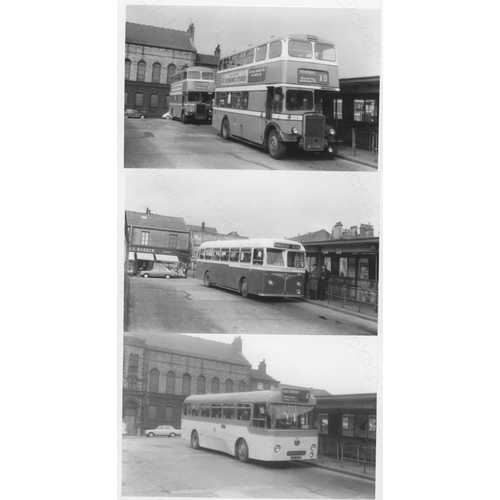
(252, 243)
(278, 395)
(196, 68)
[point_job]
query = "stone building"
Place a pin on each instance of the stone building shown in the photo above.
(155, 240)
(161, 370)
(260, 380)
(152, 56)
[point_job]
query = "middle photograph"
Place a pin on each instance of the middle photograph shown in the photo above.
(249, 252)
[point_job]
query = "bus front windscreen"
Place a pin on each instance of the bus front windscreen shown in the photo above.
(284, 416)
(299, 100)
(275, 257)
(205, 97)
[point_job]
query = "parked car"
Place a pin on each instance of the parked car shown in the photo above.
(163, 430)
(161, 272)
(136, 113)
(166, 116)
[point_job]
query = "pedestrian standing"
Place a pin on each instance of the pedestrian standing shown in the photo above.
(312, 286)
(325, 275)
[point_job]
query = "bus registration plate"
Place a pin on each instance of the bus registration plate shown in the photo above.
(297, 457)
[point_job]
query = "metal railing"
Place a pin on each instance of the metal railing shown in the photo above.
(370, 143)
(359, 295)
(342, 452)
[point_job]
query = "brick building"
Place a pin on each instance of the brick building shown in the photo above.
(260, 380)
(161, 370)
(155, 240)
(152, 56)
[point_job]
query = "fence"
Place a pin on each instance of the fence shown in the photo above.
(343, 452)
(367, 140)
(354, 293)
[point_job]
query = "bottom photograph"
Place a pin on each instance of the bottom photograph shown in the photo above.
(256, 416)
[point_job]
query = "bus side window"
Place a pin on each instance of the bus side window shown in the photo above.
(216, 254)
(224, 254)
(246, 255)
(202, 254)
(261, 53)
(208, 253)
(258, 256)
(228, 411)
(243, 412)
(259, 415)
(234, 255)
(278, 100)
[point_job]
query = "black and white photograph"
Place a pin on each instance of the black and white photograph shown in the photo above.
(259, 88)
(252, 252)
(250, 416)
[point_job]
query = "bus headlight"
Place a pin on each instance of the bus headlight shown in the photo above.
(313, 447)
(270, 282)
(294, 131)
(298, 292)
(277, 448)
(311, 454)
(298, 283)
(331, 131)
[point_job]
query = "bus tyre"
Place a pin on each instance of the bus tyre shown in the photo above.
(277, 149)
(167, 276)
(195, 440)
(207, 280)
(224, 131)
(183, 118)
(330, 155)
(242, 451)
(244, 288)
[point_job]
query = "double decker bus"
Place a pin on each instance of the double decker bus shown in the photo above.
(272, 425)
(191, 94)
(267, 267)
(280, 94)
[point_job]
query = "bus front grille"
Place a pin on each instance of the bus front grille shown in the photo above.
(201, 111)
(295, 453)
(314, 127)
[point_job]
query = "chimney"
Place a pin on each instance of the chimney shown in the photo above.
(191, 32)
(369, 231)
(354, 231)
(262, 367)
(337, 231)
(202, 227)
(363, 231)
(238, 344)
(217, 52)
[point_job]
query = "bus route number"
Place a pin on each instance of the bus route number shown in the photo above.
(311, 76)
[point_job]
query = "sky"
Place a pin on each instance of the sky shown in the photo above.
(258, 204)
(355, 31)
(337, 364)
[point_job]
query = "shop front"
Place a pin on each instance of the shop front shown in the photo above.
(142, 258)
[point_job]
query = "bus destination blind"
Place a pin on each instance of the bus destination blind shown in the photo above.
(312, 76)
(295, 396)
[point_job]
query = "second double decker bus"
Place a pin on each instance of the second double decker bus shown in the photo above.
(267, 267)
(280, 94)
(272, 425)
(191, 94)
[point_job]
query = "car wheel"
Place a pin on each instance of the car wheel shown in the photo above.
(242, 451)
(207, 280)
(167, 276)
(145, 275)
(244, 288)
(224, 131)
(195, 440)
(150, 434)
(142, 117)
(172, 434)
(277, 149)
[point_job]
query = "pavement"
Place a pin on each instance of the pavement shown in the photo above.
(349, 468)
(363, 310)
(361, 157)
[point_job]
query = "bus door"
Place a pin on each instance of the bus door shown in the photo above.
(265, 116)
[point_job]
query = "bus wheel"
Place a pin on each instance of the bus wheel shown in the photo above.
(244, 288)
(224, 132)
(276, 148)
(330, 155)
(242, 451)
(207, 280)
(195, 440)
(183, 118)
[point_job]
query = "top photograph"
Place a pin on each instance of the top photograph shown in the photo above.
(251, 88)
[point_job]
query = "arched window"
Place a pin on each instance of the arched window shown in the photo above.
(186, 384)
(229, 385)
(154, 101)
(170, 383)
(201, 384)
(170, 72)
(126, 100)
(128, 64)
(156, 72)
(215, 385)
(154, 380)
(242, 387)
(139, 100)
(141, 71)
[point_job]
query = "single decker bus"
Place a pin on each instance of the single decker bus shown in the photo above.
(280, 94)
(191, 94)
(272, 425)
(267, 267)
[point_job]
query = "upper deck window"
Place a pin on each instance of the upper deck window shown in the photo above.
(205, 75)
(300, 49)
(325, 52)
(193, 75)
(261, 53)
(249, 56)
(275, 49)
(240, 59)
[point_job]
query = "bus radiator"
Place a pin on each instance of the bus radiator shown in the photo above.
(314, 127)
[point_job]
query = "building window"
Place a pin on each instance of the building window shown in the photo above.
(348, 425)
(267, 386)
(145, 238)
(229, 386)
(127, 69)
(186, 385)
(323, 423)
(365, 110)
(337, 109)
(141, 71)
(132, 382)
(242, 387)
(170, 72)
(154, 101)
(156, 72)
(139, 100)
(125, 100)
(169, 414)
(154, 380)
(253, 385)
(201, 385)
(170, 383)
(172, 241)
(152, 412)
(215, 386)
